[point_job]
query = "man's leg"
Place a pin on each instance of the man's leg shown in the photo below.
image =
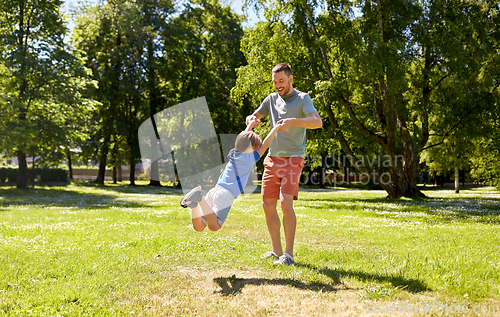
(273, 223)
(289, 221)
(289, 191)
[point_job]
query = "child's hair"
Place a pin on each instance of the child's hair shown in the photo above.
(247, 139)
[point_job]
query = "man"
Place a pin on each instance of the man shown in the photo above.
(283, 165)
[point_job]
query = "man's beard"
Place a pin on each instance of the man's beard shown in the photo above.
(285, 91)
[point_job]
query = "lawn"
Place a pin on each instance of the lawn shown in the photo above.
(83, 250)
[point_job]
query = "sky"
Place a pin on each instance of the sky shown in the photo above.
(236, 5)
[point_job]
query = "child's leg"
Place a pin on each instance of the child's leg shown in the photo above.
(196, 215)
(210, 215)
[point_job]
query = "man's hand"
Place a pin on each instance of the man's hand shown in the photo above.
(278, 126)
(313, 121)
(285, 123)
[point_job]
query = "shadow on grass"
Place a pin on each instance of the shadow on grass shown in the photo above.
(129, 189)
(79, 196)
(233, 285)
(410, 285)
(481, 209)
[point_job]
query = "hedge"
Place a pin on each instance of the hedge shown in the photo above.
(42, 174)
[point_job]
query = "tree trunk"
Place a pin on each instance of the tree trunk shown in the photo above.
(114, 158)
(132, 138)
(70, 165)
(21, 154)
(114, 175)
(457, 172)
(322, 171)
(119, 176)
(103, 161)
(22, 172)
(152, 89)
(33, 171)
(410, 157)
(132, 170)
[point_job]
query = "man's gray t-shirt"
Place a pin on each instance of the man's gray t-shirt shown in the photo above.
(297, 104)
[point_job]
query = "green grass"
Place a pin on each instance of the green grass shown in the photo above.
(114, 251)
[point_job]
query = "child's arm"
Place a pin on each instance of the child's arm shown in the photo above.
(269, 138)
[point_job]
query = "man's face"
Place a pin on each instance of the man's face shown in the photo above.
(282, 83)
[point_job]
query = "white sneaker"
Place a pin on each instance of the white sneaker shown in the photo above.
(285, 259)
(192, 198)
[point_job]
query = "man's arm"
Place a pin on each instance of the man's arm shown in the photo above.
(313, 121)
(269, 138)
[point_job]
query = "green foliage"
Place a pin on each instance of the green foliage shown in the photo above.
(42, 103)
(150, 55)
(396, 77)
(485, 162)
(202, 59)
(8, 175)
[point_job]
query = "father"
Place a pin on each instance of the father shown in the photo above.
(283, 165)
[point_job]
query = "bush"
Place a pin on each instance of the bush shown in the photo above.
(42, 174)
(3, 175)
(52, 175)
(11, 175)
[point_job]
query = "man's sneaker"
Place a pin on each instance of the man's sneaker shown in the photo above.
(285, 259)
(270, 255)
(192, 198)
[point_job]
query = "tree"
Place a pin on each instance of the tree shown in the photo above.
(485, 150)
(146, 58)
(465, 70)
(47, 77)
(202, 60)
(376, 74)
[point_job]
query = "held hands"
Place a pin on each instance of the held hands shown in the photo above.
(252, 121)
(278, 126)
(286, 124)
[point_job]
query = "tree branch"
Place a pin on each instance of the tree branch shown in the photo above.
(341, 138)
(359, 165)
(439, 81)
(366, 132)
(302, 78)
(378, 109)
(316, 36)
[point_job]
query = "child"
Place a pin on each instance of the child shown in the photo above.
(249, 148)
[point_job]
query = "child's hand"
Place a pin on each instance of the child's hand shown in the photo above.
(254, 123)
(279, 126)
(252, 120)
(286, 124)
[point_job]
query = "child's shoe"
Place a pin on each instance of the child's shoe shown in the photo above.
(192, 198)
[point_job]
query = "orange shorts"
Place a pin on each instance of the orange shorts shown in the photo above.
(281, 174)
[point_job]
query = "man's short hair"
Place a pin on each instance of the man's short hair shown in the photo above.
(246, 140)
(282, 67)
